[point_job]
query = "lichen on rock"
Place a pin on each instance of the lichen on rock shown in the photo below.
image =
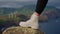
(21, 30)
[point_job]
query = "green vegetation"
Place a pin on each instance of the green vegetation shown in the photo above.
(1, 21)
(26, 11)
(11, 13)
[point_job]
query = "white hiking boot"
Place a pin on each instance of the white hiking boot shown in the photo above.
(33, 22)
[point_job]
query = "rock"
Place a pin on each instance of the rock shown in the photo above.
(21, 30)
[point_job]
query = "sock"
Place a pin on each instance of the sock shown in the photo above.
(35, 16)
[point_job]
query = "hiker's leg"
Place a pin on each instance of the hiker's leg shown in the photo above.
(33, 21)
(40, 6)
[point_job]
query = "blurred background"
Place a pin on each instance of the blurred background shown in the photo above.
(14, 11)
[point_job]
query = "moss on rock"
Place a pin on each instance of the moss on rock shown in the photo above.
(21, 30)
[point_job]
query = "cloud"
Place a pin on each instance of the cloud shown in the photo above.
(18, 0)
(12, 4)
(58, 7)
(15, 3)
(55, 3)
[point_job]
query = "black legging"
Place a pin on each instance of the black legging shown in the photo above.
(40, 6)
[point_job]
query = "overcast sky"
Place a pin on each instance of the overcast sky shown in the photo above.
(19, 3)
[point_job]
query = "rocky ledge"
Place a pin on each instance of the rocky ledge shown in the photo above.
(21, 30)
